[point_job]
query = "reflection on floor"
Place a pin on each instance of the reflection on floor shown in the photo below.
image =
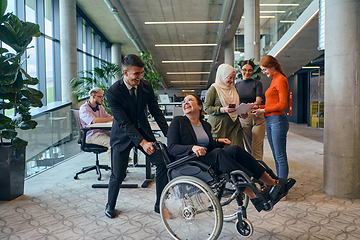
(55, 206)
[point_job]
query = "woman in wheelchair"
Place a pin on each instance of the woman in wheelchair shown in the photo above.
(190, 134)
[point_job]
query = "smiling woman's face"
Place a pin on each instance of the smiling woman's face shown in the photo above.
(269, 72)
(247, 71)
(229, 80)
(190, 105)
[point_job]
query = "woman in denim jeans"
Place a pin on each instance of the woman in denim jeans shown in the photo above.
(277, 123)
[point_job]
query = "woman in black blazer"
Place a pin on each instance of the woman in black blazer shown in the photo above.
(190, 134)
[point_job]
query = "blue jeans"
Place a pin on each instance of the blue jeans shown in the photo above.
(277, 127)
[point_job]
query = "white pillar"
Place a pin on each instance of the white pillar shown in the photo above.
(342, 99)
(68, 51)
(252, 29)
(229, 52)
(116, 56)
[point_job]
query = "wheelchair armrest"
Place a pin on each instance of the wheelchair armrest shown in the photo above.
(182, 161)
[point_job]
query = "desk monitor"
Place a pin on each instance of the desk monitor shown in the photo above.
(164, 98)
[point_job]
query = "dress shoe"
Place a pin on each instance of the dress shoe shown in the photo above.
(110, 212)
(157, 209)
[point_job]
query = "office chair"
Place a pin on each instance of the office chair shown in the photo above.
(89, 147)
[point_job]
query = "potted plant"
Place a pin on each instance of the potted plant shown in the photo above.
(17, 97)
(149, 73)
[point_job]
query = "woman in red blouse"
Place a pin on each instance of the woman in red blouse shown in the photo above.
(277, 123)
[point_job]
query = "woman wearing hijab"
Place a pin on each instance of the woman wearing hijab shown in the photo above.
(221, 100)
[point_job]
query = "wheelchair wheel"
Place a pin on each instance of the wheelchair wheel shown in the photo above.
(244, 227)
(189, 209)
(230, 210)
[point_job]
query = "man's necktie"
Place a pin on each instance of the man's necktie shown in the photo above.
(132, 94)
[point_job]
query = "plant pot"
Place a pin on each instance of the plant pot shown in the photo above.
(12, 172)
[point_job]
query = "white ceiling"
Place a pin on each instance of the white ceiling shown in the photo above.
(141, 11)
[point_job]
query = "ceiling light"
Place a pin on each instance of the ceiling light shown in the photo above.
(188, 90)
(183, 22)
(317, 74)
(287, 21)
(297, 32)
(188, 61)
(187, 45)
(311, 67)
(272, 11)
(279, 4)
(172, 73)
(263, 17)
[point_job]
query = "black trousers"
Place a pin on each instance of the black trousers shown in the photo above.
(119, 164)
(233, 158)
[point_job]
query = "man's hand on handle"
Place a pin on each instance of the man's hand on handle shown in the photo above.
(147, 147)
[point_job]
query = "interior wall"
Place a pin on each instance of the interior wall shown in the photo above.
(298, 85)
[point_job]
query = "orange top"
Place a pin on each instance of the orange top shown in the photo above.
(276, 96)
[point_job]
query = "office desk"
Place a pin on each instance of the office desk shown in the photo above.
(148, 176)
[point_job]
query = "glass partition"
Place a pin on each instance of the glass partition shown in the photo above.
(52, 141)
(276, 17)
(276, 20)
(316, 98)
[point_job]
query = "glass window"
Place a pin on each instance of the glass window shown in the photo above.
(31, 59)
(30, 11)
(49, 70)
(10, 7)
(48, 18)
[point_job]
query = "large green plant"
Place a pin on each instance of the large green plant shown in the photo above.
(149, 74)
(255, 74)
(15, 93)
(98, 77)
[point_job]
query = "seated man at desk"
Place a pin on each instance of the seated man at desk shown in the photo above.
(93, 112)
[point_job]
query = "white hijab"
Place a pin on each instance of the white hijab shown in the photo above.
(227, 95)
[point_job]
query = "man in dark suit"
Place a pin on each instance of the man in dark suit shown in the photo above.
(128, 99)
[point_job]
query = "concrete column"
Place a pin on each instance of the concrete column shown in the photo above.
(229, 52)
(342, 99)
(252, 29)
(68, 52)
(116, 56)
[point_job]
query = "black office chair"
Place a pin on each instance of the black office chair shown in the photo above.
(89, 147)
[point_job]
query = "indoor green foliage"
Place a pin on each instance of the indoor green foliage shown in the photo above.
(98, 77)
(255, 74)
(149, 74)
(15, 93)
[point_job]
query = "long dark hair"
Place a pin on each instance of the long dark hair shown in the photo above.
(199, 102)
(269, 61)
(251, 63)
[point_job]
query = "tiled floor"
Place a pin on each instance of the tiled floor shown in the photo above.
(55, 206)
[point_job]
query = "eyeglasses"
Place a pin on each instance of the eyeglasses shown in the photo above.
(247, 70)
(188, 101)
(101, 97)
(231, 78)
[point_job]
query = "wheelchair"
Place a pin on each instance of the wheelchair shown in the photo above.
(196, 201)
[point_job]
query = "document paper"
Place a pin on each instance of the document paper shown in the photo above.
(243, 108)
